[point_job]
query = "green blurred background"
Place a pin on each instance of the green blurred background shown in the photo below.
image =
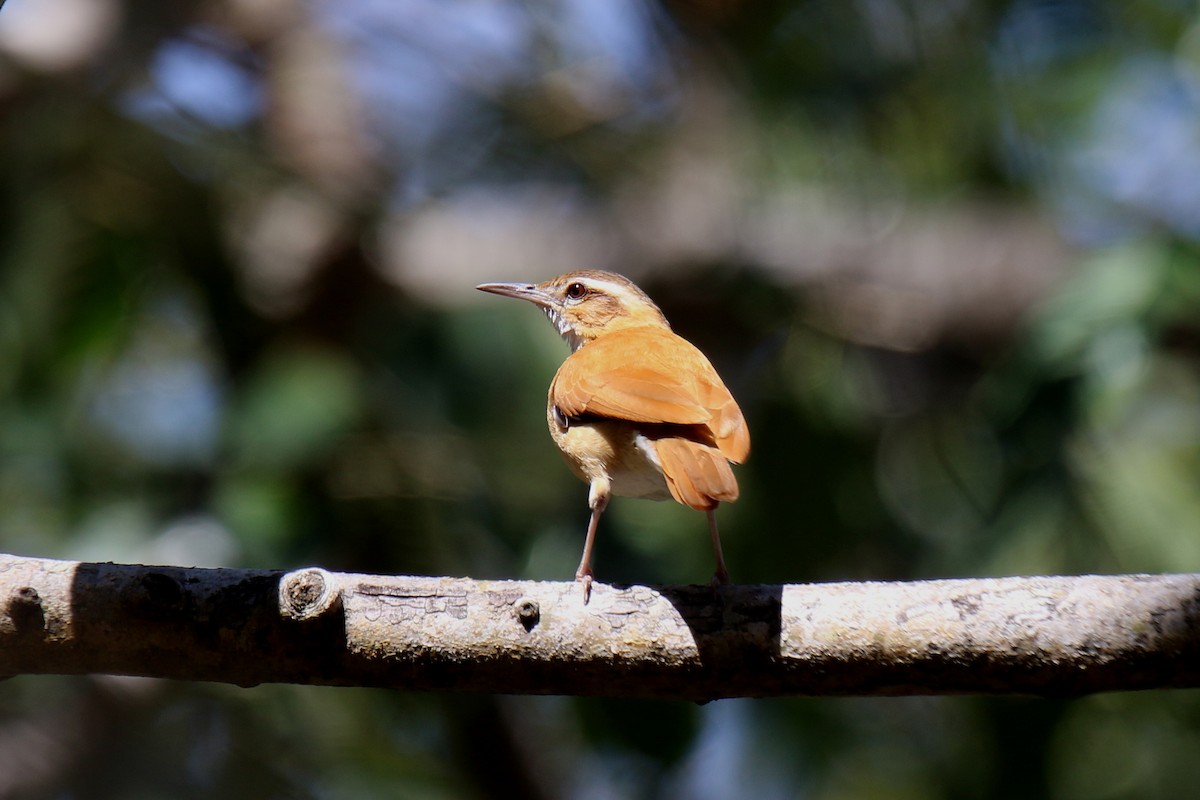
(946, 255)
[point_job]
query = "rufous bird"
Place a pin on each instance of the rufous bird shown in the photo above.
(636, 410)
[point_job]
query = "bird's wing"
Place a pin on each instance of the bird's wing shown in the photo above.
(650, 375)
(587, 384)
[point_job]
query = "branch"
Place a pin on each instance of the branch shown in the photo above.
(1045, 635)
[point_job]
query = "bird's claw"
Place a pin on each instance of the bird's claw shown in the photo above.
(586, 581)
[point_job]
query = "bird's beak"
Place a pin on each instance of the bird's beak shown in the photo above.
(522, 291)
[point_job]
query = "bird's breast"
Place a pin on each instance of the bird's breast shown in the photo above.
(613, 449)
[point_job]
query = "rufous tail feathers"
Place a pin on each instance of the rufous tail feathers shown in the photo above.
(697, 474)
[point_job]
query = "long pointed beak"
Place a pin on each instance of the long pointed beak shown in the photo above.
(522, 291)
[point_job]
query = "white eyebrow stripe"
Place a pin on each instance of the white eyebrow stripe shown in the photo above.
(615, 288)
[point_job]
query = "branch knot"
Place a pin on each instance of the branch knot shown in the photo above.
(307, 594)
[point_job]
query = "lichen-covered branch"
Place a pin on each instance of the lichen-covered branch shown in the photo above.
(1042, 635)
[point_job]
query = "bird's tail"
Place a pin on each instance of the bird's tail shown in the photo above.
(697, 474)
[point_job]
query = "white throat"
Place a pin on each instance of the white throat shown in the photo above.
(564, 328)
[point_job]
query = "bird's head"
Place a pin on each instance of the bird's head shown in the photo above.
(586, 303)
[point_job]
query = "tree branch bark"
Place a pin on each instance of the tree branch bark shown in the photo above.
(1041, 635)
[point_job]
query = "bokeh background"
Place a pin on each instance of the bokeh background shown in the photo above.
(947, 256)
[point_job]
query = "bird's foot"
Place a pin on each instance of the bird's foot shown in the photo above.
(720, 578)
(585, 578)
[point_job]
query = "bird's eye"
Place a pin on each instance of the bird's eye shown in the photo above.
(576, 291)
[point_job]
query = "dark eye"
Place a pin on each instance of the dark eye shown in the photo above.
(576, 290)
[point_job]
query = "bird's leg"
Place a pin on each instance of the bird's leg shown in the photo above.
(598, 501)
(584, 573)
(721, 577)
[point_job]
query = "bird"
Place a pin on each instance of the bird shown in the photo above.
(636, 410)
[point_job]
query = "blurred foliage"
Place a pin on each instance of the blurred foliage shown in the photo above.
(946, 255)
